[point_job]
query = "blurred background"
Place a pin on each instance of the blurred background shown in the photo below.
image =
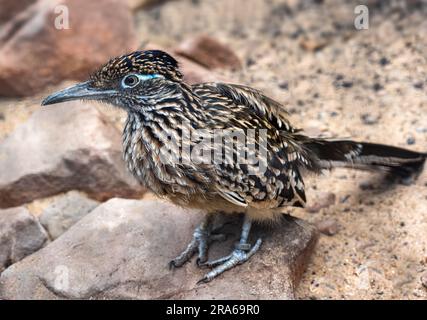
(348, 69)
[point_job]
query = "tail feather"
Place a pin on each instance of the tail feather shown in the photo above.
(366, 156)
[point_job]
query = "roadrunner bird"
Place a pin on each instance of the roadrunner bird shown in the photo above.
(161, 108)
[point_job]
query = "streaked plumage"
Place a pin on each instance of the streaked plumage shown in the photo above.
(162, 110)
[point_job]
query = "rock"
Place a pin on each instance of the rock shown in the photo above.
(325, 200)
(20, 235)
(138, 4)
(60, 148)
(209, 53)
(39, 50)
(121, 250)
(10, 8)
(313, 44)
(193, 72)
(424, 279)
(410, 140)
(369, 119)
(61, 214)
(328, 227)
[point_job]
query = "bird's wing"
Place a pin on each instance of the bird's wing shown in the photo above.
(274, 179)
(252, 99)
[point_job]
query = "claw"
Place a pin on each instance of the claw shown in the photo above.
(202, 237)
(238, 256)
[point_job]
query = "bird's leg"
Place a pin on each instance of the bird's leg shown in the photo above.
(203, 235)
(242, 252)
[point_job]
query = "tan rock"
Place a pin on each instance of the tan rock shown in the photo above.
(424, 279)
(38, 51)
(65, 211)
(313, 44)
(123, 247)
(20, 235)
(324, 200)
(60, 148)
(328, 226)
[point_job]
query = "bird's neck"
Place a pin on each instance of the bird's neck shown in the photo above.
(178, 104)
(149, 130)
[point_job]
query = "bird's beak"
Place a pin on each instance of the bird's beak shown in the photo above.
(82, 90)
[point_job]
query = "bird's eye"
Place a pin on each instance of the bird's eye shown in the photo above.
(130, 81)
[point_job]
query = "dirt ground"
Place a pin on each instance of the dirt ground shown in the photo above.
(335, 81)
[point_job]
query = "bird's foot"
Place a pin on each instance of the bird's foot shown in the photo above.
(240, 254)
(202, 238)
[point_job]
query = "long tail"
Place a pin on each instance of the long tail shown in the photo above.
(366, 156)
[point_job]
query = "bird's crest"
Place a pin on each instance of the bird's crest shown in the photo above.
(143, 62)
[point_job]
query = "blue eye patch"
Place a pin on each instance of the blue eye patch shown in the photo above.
(132, 80)
(144, 77)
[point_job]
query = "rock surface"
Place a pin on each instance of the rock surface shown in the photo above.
(328, 227)
(20, 235)
(39, 48)
(65, 211)
(324, 200)
(192, 71)
(60, 148)
(137, 4)
(10, 8)
(209, 52)
(123, 247)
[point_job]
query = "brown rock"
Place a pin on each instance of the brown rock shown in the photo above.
(209, 52)
(60, 148)
(192, 71)
(195, 73)
(328, 227)
(35, 53)
(325, 200)
(20, 235)
(313, 45)
(10, 8)
(123, 247)
(138, 4)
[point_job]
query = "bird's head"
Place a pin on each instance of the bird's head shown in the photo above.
(127, 81)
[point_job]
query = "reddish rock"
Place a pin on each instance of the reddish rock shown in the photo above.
(192, 71)
(20, 235)
(328, 227)
(34, 53)
(313, 45)
(209, 53)
(325, 200)
(195, 73)
(65, 147)
(137, 4)
(10, 8)
(121, 250)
